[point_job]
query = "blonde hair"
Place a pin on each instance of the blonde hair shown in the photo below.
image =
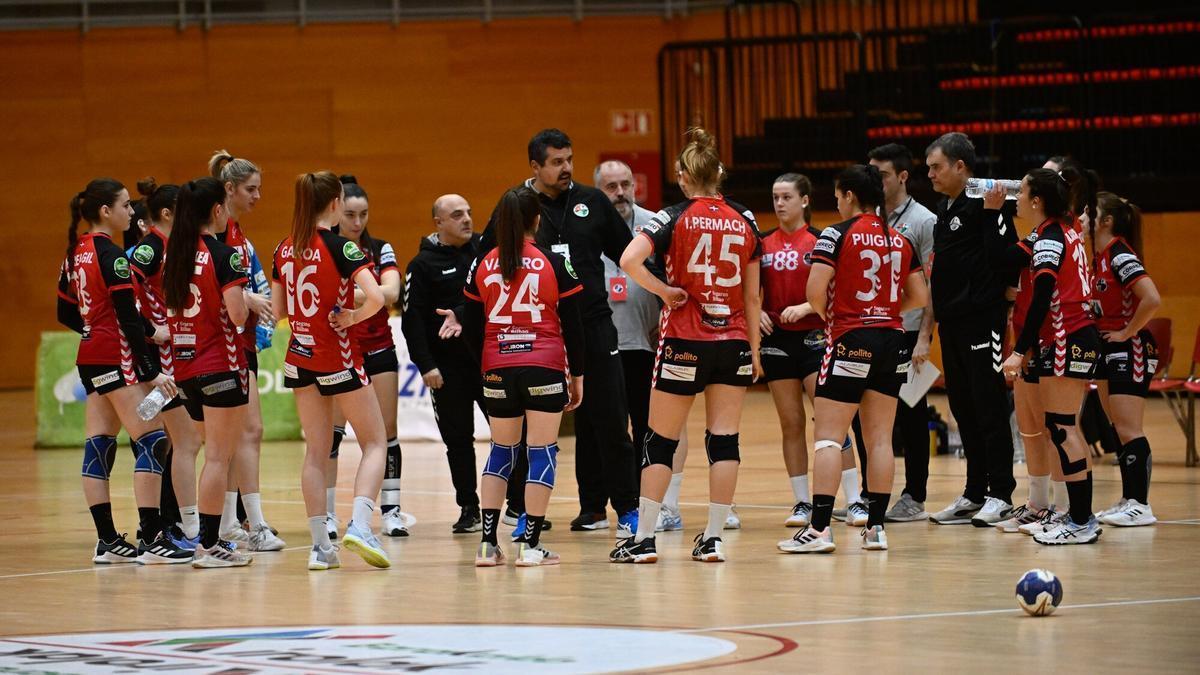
(701, 160)
(229, 169)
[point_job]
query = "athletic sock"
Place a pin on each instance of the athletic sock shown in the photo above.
(364, 507)
(331, 500)
(648, 511)
(671, 500)
(1062, 498)
(190, 521)
(877, 503)
(822, 511)
(209, 529)
(149, 523)
(254, 514)
(1081, 499)
(717, 513)
(320, 536)
(533, 529)
(800, 488)
(389, 496)
(850, 485)
(1135, 470)
(490, 518)
(102, 517)
(1039, 492)
(229, 513)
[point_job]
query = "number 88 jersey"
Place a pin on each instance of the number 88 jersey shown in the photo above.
(870, 264)
(704, 244)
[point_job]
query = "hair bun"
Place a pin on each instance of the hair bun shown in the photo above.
(701, 137)
(147, 186)
(348, 179)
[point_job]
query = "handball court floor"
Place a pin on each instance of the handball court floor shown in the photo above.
(940, 600)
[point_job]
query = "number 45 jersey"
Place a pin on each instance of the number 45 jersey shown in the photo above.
(870, 264)
(521, 324)
(704, 244)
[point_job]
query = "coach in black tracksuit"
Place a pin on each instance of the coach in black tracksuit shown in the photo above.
(971, 310)
(581, 224)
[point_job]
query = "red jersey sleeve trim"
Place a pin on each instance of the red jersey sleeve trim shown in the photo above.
(823, 259)
(120, 287)
(1025, 247)
(364, 266)
(68, 298)
(472, 295)
(236, 282)
(1053, 273)
(573, 291)
(645, 234)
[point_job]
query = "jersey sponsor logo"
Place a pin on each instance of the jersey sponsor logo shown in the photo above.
(492, 377)
(516, 337)
(824, 245)
(335, 378)
(1047, 258)
(570, 269)
(144, 254)
(121, 267)
(1122, 258)
(488, 392)
(547, 389)
(903, 368)
(955, 223)
(747, 369)
(656, 223)
(352, 251)
(581, 210)
(714, 309)
(107, 378)
(452, 270)
(831, 233)
(185, 353)
(1101, 285)
(671, 371)
(976, 348)
(1081, 367)
(1116, 356)
(860, 353)
(235, 261)
(672, 355)
(851, 369)
(300, 350)
(185, 339)
(387, 255)
(772, 351)
(218, 387)
(290, 371)
(305, 339)
(1048, 245)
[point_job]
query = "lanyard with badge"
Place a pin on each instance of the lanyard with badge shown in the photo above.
(562, 248)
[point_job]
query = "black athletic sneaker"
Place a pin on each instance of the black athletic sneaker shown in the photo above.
(115, 552)
(630, 551)
(708, 550)
(162, 551)
(586, 522)
(468, 521)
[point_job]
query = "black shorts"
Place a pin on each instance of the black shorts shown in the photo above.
(328, 384)
(1078, 356)
(792, 354)
(1029, 373)
(381, 361)
(251, 360)
(229, 389)
(686, 367)
(864, 358)
(1129, 366)
(101, 379)
(509, 392)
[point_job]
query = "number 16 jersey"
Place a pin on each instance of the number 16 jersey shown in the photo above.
(704, 244)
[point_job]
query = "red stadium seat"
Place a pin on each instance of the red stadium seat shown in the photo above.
(1180, 394)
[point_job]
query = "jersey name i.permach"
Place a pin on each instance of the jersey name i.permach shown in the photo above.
(786, 263)
(204, 339)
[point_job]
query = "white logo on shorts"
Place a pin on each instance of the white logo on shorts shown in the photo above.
(494, 393)
(747, 369)
(903, 367)
(290, 371)
(670, 371)
(335, 378)
(851, 369)
(546, 390)
(1080, 367)
(107, 378)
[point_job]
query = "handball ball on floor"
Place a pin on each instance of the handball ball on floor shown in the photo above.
(1039, 592)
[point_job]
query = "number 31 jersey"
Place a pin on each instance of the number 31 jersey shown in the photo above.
(704, 244)
(870, 264)
(313, 284)
(521, 324)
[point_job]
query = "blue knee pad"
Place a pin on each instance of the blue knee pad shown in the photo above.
(500, 461)
(543, 461)
(149, 452)
(99, 455)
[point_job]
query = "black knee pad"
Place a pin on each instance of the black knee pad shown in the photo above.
(1057, 425)
(658, 450)
(721, 448)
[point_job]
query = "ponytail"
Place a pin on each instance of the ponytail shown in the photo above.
(86, 205)
(229, 169)
(193, 211)
(1126, 216)
(516, 215)
(158, 197)
(314, 192)
(701, 160)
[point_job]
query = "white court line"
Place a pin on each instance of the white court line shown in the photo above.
(932, 615)
(123, 566)
(1189, 521)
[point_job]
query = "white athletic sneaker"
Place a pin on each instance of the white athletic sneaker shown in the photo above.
(1022, 515)
(1112, 509)
(530, 556)
(261, 539)
(801, 515)
(1071, 533)
(808, 540)
(323, 558)
(959, 512)
(669, 520)
(364, 542)
(331, 525)
(732, 521)
(994, 510)
(488, 555)
(839, 514)
(856, 514)
(906, 510)
(222, 554)
(1134, 514)
(1050, 520)
(394, 524)
(874, 538)
(235, 534)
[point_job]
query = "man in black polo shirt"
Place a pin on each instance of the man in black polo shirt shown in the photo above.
(971, 310)
(581, 224)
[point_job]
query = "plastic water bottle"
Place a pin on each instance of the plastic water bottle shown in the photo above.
(978, 187)
(153, 404)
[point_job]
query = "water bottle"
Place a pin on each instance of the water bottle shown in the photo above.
(977, 187)
(153, 404)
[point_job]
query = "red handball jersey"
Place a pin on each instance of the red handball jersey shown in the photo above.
(704, 244)
(786, 262)
(1059, 252)
(521, 324)
(870, 264)
(313, 286)
(1117, 270)
(98, 267)
(147, 264)
(1024, 286)
(204, 339)
(233, 236)
(375, 333)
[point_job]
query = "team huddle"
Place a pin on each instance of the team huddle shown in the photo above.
(693, 299)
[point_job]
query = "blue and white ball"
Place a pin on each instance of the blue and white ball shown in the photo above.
(1039, 592)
